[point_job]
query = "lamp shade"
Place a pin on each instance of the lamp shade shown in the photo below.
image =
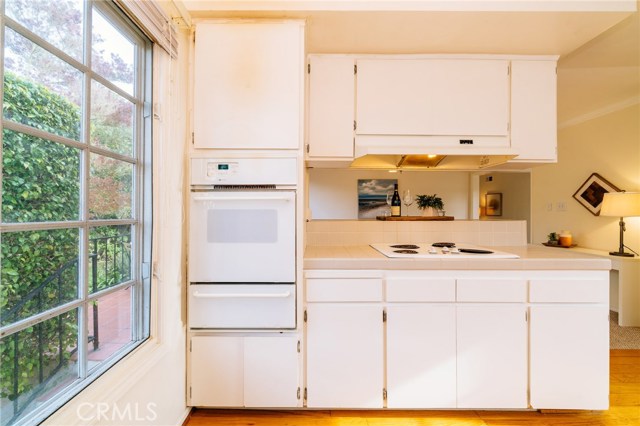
(621, 204)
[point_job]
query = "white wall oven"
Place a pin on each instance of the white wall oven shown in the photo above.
(242, 243)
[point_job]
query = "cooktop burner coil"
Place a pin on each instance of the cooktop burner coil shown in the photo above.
(448, 245)
(475, 251)
(405, 251)
(406, 246)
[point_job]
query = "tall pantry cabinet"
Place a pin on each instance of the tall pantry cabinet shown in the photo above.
(247, 95)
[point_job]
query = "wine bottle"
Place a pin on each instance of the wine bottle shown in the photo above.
(395, 201)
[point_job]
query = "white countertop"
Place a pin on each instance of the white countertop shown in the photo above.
(532, 257)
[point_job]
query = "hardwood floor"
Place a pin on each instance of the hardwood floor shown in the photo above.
(624, 410)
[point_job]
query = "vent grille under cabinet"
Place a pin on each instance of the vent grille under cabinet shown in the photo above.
(241, 187)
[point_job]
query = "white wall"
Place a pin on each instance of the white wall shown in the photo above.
(150, 382)
(608, 145)
(515, 188)
(605, 138)
(333, 193)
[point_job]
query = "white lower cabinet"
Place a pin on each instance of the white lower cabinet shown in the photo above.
(421, 355)
(271, 372)
(456, 339)
(492, 356)
(344, 355)
(570, 344)
(244, 371)
(216, 371)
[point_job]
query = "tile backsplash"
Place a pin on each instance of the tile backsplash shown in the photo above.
(358, 232)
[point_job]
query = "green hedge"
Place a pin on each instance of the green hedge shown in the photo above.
(40, 182)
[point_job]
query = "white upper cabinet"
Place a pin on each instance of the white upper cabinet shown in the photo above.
(248, 84)
(458, 97)
(533, 110)
(331, 106)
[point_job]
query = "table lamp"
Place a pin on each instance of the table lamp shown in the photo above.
(621, 204)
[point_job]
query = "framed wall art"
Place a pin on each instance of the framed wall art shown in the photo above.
(372, 197)
(493, 204)
(591, 193)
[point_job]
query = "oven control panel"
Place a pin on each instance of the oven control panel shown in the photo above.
(244, 171)
(221, 171)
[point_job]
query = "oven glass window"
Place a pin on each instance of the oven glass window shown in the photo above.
(255, 226)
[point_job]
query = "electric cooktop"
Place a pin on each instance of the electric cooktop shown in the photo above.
(441, 250)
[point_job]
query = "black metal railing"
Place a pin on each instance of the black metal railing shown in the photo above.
(110, 261)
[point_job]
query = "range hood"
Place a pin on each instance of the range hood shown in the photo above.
(429, 152)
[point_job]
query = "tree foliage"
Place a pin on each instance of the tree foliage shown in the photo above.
(41, 182)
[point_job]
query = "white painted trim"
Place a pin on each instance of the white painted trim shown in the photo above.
(109, 387)
(415, 5)
(183, 417)
(599, 112)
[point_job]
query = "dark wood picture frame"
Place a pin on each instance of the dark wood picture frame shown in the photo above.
(493, 204)
(591, 193)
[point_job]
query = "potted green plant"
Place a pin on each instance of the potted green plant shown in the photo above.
(429, 204)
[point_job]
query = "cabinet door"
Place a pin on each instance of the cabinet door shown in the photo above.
(271, 371)
(331, 106)
(492, 356)
(432, 97)
(216, 371)
(570, 357)
(344, 356)
(533, 110)
(248, 85)
(421, 356)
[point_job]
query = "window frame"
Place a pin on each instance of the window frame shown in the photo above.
(141, 205)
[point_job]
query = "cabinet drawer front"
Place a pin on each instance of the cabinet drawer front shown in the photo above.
(257, 306)
(421, 290)
(492, 290)
(573, 291)
(344, 290)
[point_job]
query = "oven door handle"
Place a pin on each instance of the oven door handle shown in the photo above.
(276, 198)
(199, 295)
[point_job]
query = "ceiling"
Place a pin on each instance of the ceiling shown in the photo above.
(597, 41)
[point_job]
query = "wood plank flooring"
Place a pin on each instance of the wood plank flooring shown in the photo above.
(624, 410)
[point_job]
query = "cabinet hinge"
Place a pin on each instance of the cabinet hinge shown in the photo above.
(190, 392)
(384, 394)
(526, 316)
(355, 125)
(298, 393)
(193, 138)
(309, 68)
(307, 148)
(305, 316)
(190, 345)
(298, 346)
(355, 68)
(384, 316)
(508, 69)
(305, 393)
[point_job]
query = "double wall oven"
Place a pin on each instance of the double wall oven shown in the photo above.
(242, 243)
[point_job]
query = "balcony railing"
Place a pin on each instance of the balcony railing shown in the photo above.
(110, 264)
